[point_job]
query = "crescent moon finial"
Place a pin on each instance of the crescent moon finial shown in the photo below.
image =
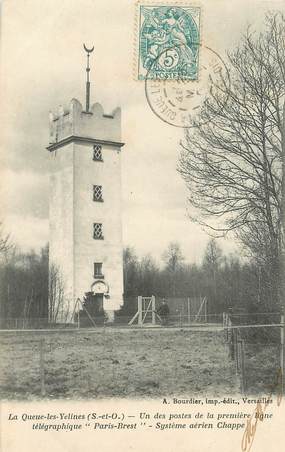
(88, 50)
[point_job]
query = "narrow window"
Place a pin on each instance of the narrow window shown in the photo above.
(98, 270)
(97, 193)
(97, 231)
(97, 152)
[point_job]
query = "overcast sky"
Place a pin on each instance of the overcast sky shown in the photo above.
(43, 66)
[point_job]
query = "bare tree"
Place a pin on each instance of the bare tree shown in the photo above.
(56, 294)
(173, 259)
(173, 256)
(212, 261)
(5, 242)
(130, 262)
(233, 159)
(213, 255)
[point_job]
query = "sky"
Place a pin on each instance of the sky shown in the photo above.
(43, 66)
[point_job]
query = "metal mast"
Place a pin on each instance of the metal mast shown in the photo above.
(88, 51)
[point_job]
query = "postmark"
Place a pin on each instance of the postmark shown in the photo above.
(169, 41)
(178, 101)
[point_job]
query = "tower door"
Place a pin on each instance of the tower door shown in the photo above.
(99, 301)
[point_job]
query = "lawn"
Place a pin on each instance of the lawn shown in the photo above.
(262, 363)
(142, 363)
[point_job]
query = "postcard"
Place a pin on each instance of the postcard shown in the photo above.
(142, 225)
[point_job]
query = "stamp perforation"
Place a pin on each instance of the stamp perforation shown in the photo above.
(137, 18)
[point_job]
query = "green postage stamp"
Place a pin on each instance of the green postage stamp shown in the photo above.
(169, 40)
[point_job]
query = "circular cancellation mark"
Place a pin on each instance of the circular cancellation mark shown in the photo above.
(175, 98)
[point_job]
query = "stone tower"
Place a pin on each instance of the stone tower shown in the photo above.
(85, 209)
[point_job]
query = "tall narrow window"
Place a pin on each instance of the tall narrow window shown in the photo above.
(97, 231)
(97, 152)
(97, 193)
(98, 270)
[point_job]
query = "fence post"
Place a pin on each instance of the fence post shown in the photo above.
(232, 342)
(238, 352)
(226, 325)
(234, 356)
(188, 311)
(229, 329)
(42, 369)
(243, 384)
(140, 307)
(78, 313)
(282, 352)
(153, 310)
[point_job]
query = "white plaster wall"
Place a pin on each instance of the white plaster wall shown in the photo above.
(73, 211)
(88, 250)
(61, 223)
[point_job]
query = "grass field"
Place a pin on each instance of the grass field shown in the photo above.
(262, 363)
(116, 363)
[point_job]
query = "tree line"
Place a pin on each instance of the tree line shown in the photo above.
(23, 284)
(226, 281)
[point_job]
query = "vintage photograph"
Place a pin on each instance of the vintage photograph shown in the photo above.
(142, 200)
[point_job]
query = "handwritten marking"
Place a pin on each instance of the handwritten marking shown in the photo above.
(258, 414)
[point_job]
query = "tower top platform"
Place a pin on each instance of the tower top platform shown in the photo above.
(75, 124)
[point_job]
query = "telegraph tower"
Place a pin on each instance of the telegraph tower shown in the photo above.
(85, 206)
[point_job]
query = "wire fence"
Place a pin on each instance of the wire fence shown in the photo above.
(189, 355)
(183, 311)
(256, 345)
(23, 323)
(175, 319)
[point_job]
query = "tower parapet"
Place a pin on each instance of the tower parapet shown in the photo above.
(75, 123)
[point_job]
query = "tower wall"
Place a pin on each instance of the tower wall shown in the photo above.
(88, 250)
(61, 246)
(73, 250)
